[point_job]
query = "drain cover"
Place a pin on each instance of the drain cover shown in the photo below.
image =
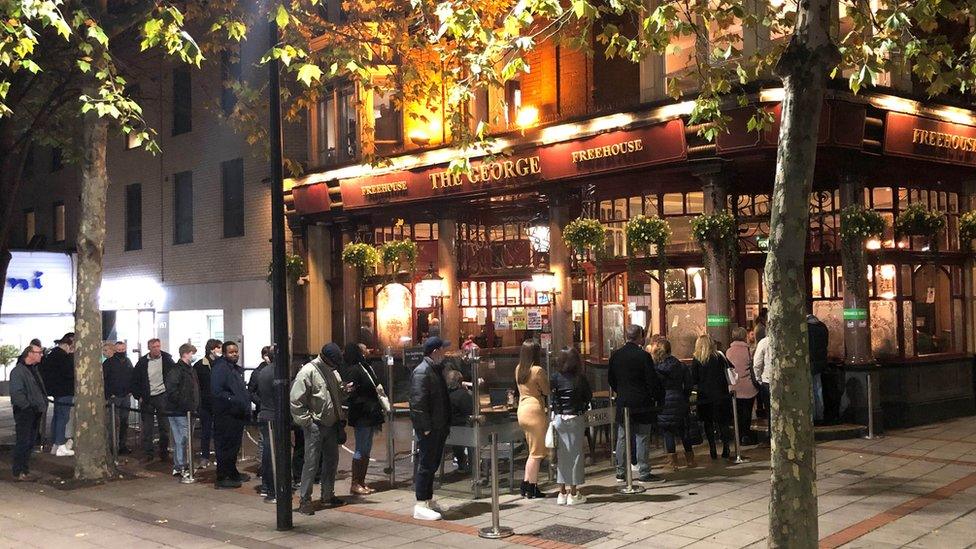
(569, 534)
(854, 472)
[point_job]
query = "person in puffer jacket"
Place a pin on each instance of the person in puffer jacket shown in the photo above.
(673, 417)
(232, 408)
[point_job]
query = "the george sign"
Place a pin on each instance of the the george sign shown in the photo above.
(39, 283)
(919, 137)
(623, 149)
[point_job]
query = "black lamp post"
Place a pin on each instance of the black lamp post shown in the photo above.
(279, 298)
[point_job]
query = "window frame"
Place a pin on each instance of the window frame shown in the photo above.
(232, 209)
(182, 106)
(183, 215)
(133, 226)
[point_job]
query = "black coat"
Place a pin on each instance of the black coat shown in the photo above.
(203, 368)
(230, 396)
(818, 339)
(117, 373)
(264, 388)
(462, 406)
(140, 375)
(252, 388)
(677, 381)
(633, 378)
(570, 394)
(364, 406)
(182, 390)
(711, 379)
(430, 406)
(58, 372)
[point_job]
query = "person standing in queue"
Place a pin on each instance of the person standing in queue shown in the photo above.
(714, 401)
(117, 372)
(264, 389)
(29, 403)
(317, 396)
(149, 386)
(182, 396)
(231, 409)
(571, 396)
(533, 388)
(745, 386)
(673, 417)
(203, 368)
(57, 369)
(430, 414)
(365, 413)
(632, 377)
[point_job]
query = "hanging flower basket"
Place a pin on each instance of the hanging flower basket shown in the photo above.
(643, 231)
(397, 252)
(917, 220)
(858, 224)
(584, 234)
(967, 230)
(294, 269)
(718, 227)
(361, 255)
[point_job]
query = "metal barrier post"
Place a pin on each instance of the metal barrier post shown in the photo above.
(630, 488)
(495, 531)
(274, 464)
(115, 434)
(391, 419)
(735, 426)
(189, 447)
(476, 428)
(870, 435)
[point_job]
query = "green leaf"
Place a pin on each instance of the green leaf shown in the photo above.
(309, 73)
(281, 16)
(95, 32)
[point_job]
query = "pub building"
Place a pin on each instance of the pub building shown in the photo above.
(493, 265)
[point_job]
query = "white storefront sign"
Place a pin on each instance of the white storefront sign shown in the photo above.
(39, 283)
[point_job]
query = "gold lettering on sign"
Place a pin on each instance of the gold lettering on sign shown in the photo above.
(607, 151)
(487, 172)
(944, 140)
(385, 188)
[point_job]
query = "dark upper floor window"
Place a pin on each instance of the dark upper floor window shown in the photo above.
(387, 122)
(230, 74)
(232, 187)
(337, 131)
(133, 217)
(58, 220)
(183, 208)
(182, 101)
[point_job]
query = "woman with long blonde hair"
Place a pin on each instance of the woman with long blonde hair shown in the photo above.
(708, 368)
(533, 387)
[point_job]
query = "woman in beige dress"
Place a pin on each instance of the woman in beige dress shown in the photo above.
(533, 386)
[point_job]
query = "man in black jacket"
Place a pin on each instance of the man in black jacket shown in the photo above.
(182, 396)
(29, 403)
(58, 372)
(117, 373)
(149, 386)
(232, 408)
(430, 413)
(632, 377)
(264, 390)
(202, 368)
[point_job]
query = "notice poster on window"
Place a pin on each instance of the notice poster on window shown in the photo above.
(502, 321)
(533, 318)
(482, 316)
(519, 319)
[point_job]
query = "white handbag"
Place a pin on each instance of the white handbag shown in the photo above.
(380, 393)
(551, 436)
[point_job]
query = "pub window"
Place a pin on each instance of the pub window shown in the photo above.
(183, 208)
(934, 321)
(133, 217)
(387, 122)
(753, 215)
(480, 108)
(337, 126)
(230, 75)
(824, 221)
(232, 190)
(825, 284)
(182, 101)
(58, 219)
(30, 225)
(513, 101)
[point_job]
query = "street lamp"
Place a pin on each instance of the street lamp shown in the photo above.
(544, 282)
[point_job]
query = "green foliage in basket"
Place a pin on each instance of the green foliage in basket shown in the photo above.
(917, 220)
(584, 234)
(858, 224)
(360, 255)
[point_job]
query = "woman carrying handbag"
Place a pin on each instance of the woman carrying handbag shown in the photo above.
(366, 412)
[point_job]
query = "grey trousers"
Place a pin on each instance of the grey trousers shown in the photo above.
(321, 446)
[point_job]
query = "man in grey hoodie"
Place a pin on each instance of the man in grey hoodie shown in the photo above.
(29, 402)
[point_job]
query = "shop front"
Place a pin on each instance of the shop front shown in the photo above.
(492, 237)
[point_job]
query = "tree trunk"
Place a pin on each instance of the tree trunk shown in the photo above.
(804, 67)
(91, 440)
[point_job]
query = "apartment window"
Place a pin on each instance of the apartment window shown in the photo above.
(30, 225)
(183, 208)
(232, 186)
(337, 126)
(387, 122)
(58, 220)
(230, 74)
(57, 159)
(182, 101)
(133, 217)
(513, 100)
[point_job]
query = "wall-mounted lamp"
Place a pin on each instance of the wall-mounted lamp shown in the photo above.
(419, 137)
(527, 117)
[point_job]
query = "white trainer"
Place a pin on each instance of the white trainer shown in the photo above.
(561, 498)
(63, 451)
(70, 444)
(422, 511)
(435, 506)
(576, 499)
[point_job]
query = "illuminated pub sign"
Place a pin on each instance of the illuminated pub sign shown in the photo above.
(925, 138)
(644, 146)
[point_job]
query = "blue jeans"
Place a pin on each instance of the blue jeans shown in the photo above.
(59, 421)
(818, 403)
(642, 433)
(180, 429)
(267, 471)
(364, 442)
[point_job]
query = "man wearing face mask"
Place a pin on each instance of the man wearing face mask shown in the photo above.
(149, 386)
(231, 409)
(202, 368)
(430, 413)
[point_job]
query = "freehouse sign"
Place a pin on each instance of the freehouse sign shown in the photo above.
(930, 139)
(660, 143)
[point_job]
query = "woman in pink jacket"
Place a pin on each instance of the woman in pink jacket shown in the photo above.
(745, 389)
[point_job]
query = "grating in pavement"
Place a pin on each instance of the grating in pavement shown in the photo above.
(569, 534)
(854, 472)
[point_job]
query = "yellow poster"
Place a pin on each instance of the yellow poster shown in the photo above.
(519, 319)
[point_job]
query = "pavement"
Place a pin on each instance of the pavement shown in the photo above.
(912, 488)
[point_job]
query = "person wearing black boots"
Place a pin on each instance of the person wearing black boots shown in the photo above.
(365, 412)
(708, 368)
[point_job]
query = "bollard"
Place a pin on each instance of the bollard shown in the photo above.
(630, 488)
(870, 389)
(274, 465)
(495, 531)
(189, 448)
(115, 433)
(735, 427)
(391, 418)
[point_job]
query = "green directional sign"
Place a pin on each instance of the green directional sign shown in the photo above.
(717, 320)
(855, 314)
